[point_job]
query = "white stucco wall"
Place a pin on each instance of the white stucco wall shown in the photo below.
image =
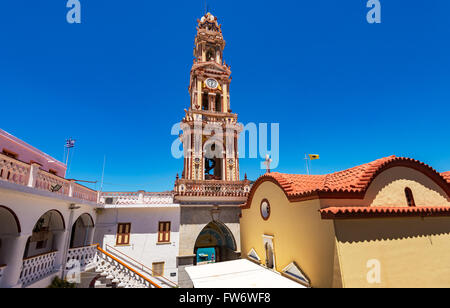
(28, 205)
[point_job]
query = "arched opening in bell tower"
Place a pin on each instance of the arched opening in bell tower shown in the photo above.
(213, 160)
(218, 106)
(210, 55)
(205, 104)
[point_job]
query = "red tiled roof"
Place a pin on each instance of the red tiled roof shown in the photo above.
(381, 211)
(350, 183)
(446, 176)
(355, 179)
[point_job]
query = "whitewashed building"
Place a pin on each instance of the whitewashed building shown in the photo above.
(142, 229)
(44, 218)
(48, 224)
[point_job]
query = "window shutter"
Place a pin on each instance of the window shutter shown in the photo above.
(123, 234)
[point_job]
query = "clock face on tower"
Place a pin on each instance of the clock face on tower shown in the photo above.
(211, 83)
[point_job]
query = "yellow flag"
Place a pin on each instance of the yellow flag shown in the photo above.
(313, 156)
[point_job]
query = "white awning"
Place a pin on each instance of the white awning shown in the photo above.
(237, 274)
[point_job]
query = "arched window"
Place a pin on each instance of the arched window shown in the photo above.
(218, 105)
(205, 104)
(210, 55)
(409, 197)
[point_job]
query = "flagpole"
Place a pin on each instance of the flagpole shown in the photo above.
(103, 173)
(306, 161)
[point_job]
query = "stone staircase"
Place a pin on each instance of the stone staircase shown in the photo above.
(140, 268)
(107, 271)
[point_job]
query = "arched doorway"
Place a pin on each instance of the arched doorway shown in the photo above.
(215, 243)
(82, 231)
(9, 228)
(43, 239)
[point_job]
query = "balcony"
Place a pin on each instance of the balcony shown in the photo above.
(18, 172)
(211, 117)
(84, 256)
(212, 188)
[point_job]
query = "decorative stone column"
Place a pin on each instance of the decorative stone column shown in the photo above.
(90, 235)
(60, 239)
(33, 175)
(15, 248)
(71, 188)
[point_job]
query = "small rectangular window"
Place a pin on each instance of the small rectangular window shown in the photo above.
(54, 172)
(123, 234)
(164, 232)
(10, 154)
(158, 269)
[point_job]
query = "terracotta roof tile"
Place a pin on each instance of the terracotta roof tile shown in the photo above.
(353, 180)
(446, 176)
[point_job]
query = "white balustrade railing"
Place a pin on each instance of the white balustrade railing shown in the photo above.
(84, 193)
(158, 198)
(130, 198)
(46, 181)
(2, 270)
(212, 188)
(14, 171)
(38, 267)
(84, 255)
(119, 273)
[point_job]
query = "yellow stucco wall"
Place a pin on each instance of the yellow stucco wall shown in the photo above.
(300, 234)
(412, 252)
(388, 189)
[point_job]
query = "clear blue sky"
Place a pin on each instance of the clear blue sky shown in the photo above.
(339, 87)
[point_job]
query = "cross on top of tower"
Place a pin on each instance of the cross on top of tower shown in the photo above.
(267, 163)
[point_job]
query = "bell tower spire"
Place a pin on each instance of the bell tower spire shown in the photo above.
(209, 90)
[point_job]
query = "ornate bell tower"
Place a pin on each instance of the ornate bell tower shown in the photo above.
(209, 191)
(210, 129)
